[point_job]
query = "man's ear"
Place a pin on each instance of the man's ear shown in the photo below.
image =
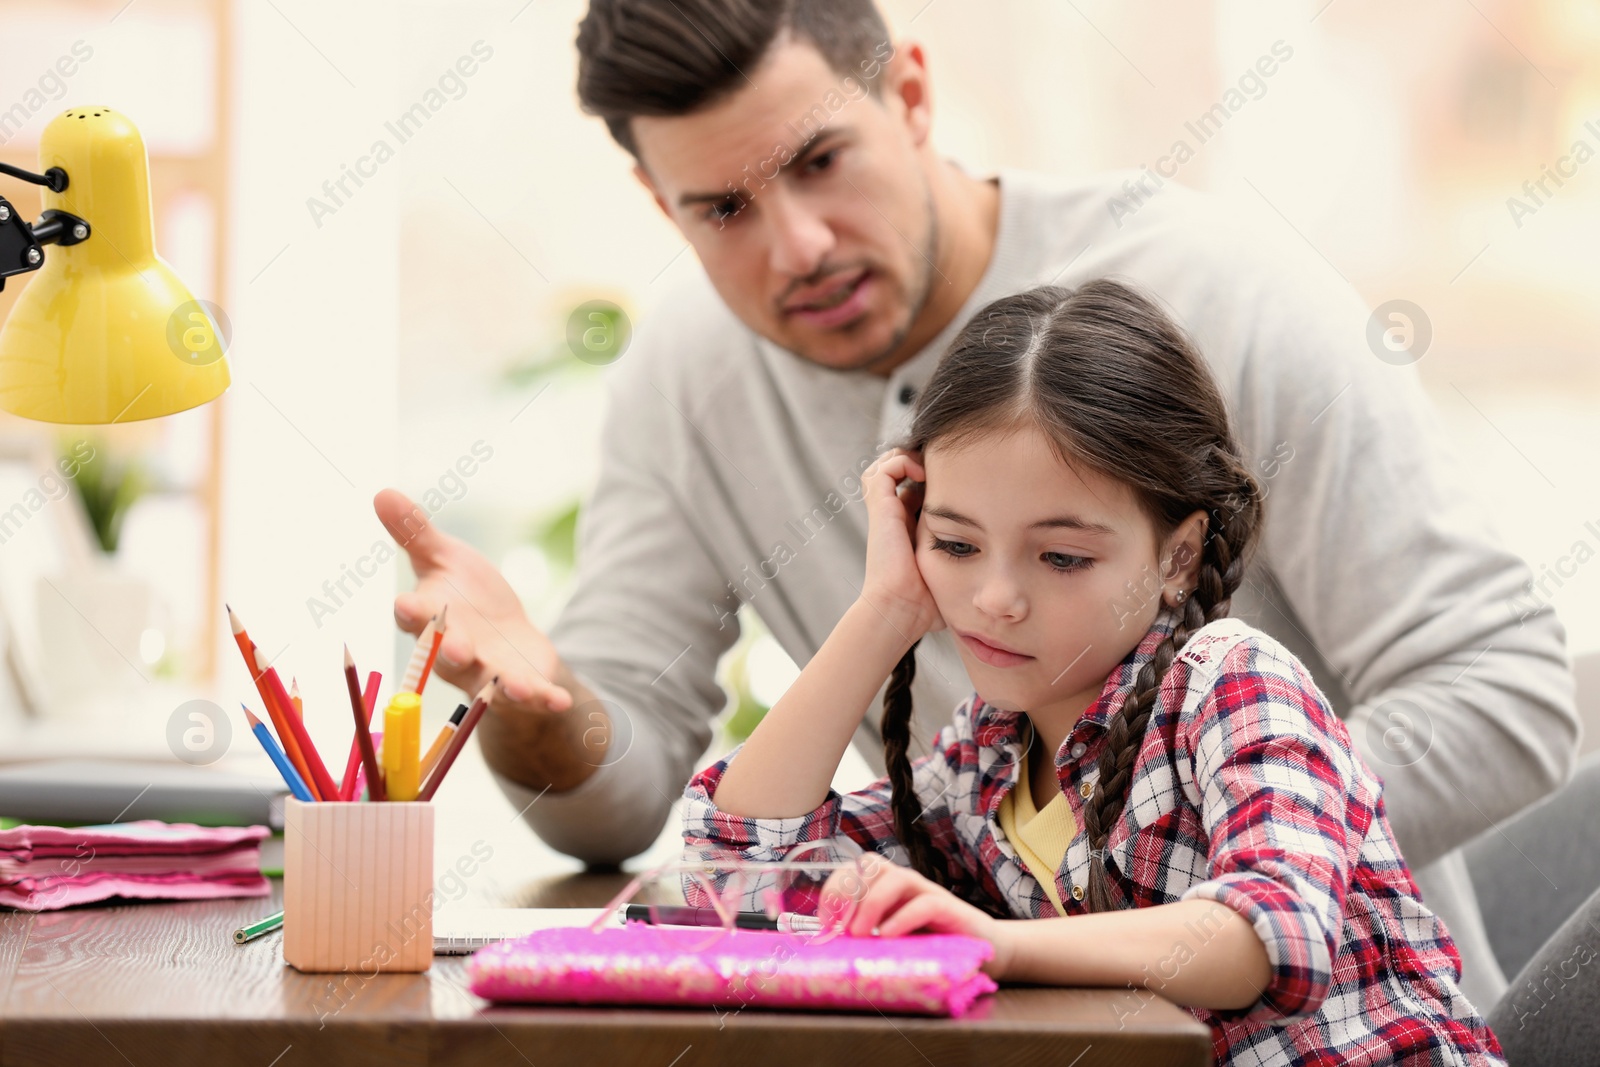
(1181, 554)
(905, 82)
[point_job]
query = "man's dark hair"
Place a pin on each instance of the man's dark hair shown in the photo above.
(673, 57)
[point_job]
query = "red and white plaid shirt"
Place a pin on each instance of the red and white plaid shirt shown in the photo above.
(1247, 791)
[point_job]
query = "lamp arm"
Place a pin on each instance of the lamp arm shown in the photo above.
(55, 178)
(20, 240)
(59, 228)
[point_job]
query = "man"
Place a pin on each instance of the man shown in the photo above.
(789, 142)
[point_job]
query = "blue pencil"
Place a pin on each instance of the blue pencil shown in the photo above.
(297, 785)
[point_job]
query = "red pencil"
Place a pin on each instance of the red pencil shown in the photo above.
(291, 746)
(363, 736)
(369, 699)
(474, 713)
(319, 770)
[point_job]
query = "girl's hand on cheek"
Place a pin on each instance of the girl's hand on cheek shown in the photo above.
(897, 900)
(894, 584)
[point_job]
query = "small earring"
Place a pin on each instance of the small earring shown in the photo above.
(1180, 596)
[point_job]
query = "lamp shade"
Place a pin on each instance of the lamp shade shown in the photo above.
(105, 331)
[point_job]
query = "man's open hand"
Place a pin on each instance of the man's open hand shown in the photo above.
(488, 635)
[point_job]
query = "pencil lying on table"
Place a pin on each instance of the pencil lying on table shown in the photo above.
(479, 704)
(256, 929)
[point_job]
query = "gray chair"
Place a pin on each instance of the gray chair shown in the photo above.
(1551, 1014)
(1537, 878)
(1534, 870)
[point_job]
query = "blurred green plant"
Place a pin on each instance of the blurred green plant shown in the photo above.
(557, 537)
(543, 363)
(107, 489)
(747, 710)
(555, 533)
(595, 334)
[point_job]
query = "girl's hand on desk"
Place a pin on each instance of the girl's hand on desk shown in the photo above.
(894, 584)
(897, 900)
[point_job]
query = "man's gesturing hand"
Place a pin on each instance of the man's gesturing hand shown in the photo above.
(525, 736)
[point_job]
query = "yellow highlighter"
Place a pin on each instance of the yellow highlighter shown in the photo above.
(402, 743)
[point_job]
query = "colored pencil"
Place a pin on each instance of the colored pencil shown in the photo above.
(291, 777)
(319, 771)
(282, 716)
(256, 929)
(448, 731)
(294, 699)
(433, 651)
(479, 704)
(363, 733)
(419, 657)
(291, 744)
(369, 700)
(361, 772)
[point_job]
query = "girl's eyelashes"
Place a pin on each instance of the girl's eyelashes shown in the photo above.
(1065, 563)
(1058, 561)
(958, 549)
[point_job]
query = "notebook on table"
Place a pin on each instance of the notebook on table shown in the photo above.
(43, 868)
(463, 931)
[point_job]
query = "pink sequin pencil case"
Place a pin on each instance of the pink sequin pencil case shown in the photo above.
(925, 974)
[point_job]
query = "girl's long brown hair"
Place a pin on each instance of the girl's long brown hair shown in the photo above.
(1117, 387)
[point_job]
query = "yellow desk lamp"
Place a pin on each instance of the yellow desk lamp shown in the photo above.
(106, 332)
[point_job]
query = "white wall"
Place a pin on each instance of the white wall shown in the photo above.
(312, 422)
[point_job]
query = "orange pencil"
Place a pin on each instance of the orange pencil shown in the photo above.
(412, 681)
(436, 749)
(287, 739)
(480, 704)
(433, 651)
(319, 771)
(294, 698)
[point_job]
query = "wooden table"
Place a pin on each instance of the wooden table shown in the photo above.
(159, 984)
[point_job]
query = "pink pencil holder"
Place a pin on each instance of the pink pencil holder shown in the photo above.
(358, 886)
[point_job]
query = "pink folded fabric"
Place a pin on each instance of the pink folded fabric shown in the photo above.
(47, 867)
(929, 974)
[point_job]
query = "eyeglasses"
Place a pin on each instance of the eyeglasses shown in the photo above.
(813, 892)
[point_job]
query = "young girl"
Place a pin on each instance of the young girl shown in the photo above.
(1142, 792)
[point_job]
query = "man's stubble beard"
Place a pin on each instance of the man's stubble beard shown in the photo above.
(929, 258)
(918, 300)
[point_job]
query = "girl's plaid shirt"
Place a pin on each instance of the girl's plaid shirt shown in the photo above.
(1247, 791)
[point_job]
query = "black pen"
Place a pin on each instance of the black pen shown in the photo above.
(683, 915)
